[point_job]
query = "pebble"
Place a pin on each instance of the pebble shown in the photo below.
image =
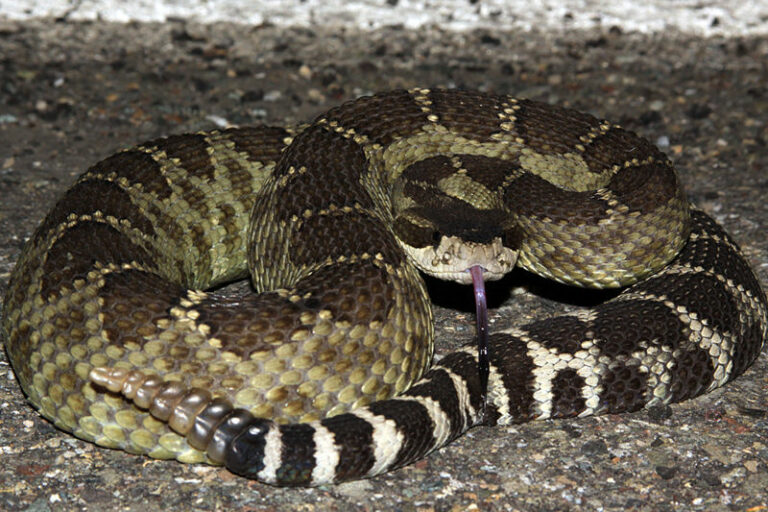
(305, 71)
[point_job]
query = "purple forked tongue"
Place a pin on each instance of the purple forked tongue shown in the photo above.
(481, 308)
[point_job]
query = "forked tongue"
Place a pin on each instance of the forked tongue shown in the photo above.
(481, 308)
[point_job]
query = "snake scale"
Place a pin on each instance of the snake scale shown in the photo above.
(117, 333)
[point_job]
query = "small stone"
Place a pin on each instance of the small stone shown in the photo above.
(717, 453)
(272, 95)
(648, 117)
(666, 472)
(660, 412)
(596, 447)
(315, 95)
(305, 71)
(490, 40)
(252, 95)
(699, 111)
(357, 489)
(555, 79)
(733, 477)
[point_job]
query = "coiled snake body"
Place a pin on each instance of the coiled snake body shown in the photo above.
(113, 339)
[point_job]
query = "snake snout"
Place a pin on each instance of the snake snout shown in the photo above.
(453, 258)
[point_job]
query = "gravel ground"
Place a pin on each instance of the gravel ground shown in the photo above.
(72, 93)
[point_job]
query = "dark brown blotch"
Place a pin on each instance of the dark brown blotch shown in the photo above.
(549, 129)
(644, 188)
(565, 334)
(748, 349)
(413, 234)
(702, 295)
(83, 245)
(621, 328)
(260, 143)
(362, 292)
(334, 165)
(413, 422)
(567, 399)
(617, 146)
(345, 234)
(453, 217)
(137, 167)
(354, 438)
(243, 323)
(129, 312)
(191, 152)
(489, 172)
(531, 196)
(95, 195)
(382, 117)
(468, 113)
(691, 375)
(430, 170)
(623, 389)
(510, 356)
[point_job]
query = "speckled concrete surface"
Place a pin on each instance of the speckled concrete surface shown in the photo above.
(71, 94)
(713, 17)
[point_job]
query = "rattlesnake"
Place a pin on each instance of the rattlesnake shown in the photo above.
(334, 219)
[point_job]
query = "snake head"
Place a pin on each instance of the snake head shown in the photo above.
(446, 243)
